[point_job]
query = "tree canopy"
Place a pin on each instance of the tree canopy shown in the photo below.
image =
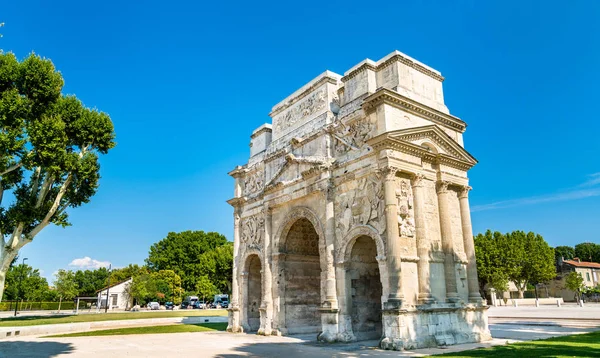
(188, 254)
(49, 148)
(588, 251)
(524, 258)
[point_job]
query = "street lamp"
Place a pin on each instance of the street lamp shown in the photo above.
(19, 291)
(107, 290)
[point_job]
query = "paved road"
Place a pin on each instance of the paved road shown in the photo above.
(224, 345)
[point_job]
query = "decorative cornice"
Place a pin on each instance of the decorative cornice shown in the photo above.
(237, 172)
(410, 63)
(384, 95)
(421, 152)
(365, 66)
(237, 202)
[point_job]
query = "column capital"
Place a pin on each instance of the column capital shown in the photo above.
(464, 192)
(389, 173)
(442, 186)
(418, 180)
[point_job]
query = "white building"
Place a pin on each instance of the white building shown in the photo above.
(118, 297)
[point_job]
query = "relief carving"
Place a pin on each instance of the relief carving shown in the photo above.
(353, 136)
(254, 182)
(253, 231)
(406, 221)
(312, 104)
(364, 205)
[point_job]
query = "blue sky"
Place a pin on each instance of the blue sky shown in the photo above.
(186, 82)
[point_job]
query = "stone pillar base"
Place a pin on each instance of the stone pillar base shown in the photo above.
(265, 321)
(329, 324)
(233, 320)
(434, 325)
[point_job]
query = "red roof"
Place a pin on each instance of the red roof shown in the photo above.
(582, 264)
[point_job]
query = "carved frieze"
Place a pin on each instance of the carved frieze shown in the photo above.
(314, 103)
(254, 182)
(253, 231)
(363, 204)
(404, 196)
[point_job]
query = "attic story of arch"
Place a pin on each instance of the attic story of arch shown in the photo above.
(351, 217)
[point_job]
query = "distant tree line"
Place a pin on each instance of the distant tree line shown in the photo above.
(586, 251)
(181, 264)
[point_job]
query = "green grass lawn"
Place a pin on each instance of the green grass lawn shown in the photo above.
(578, 345)
(39, 320)
(174, 328)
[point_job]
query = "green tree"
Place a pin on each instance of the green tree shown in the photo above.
(588, 251)
(122, 274)
(533, 259)
(138, 290)
(33, 286)
(168, 283)
(182, 252)
(65, 285)
(574, 282)
(492, 268)
(564, 252)
(205, 288)
(49, 148)
(90, 281)
(217, 264)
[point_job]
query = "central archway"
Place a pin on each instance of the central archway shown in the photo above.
(302, 270)
(366, 289)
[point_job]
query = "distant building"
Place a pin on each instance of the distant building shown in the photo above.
(118, 298)
(590, 271)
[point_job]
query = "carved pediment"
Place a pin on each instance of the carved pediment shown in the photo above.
(295, 168)
(426, 141)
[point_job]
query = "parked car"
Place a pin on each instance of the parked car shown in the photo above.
(169, 305)
(184, 305)
(199, 305)
(154, 306)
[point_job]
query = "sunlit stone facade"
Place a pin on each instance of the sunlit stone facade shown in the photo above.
(351, 217)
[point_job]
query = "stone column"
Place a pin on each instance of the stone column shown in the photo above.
(393, 238)
(469, 244)
(330, 293)
(329, 309)
(447, 241)
(423, 248)
(266, 307)
(234, 309)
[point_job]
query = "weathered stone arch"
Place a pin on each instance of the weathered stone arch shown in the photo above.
(290, 219)
(251, 289)
(343, 254)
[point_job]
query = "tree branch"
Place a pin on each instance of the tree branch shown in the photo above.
(36, 182)
(46, 185)
(11, 168)
(52, 211)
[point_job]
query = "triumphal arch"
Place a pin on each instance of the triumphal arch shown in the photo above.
(351, 217)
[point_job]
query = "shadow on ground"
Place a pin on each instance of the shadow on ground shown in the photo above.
(31, 349)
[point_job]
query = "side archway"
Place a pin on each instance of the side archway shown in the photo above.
(362, 272)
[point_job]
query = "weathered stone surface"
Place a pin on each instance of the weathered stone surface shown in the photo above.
(351, 215)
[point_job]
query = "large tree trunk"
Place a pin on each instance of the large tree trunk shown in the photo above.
(6, 257)
(521, 293)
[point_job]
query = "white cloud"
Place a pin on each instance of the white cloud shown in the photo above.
(594, 179)
(572, 194)
(88, 263)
